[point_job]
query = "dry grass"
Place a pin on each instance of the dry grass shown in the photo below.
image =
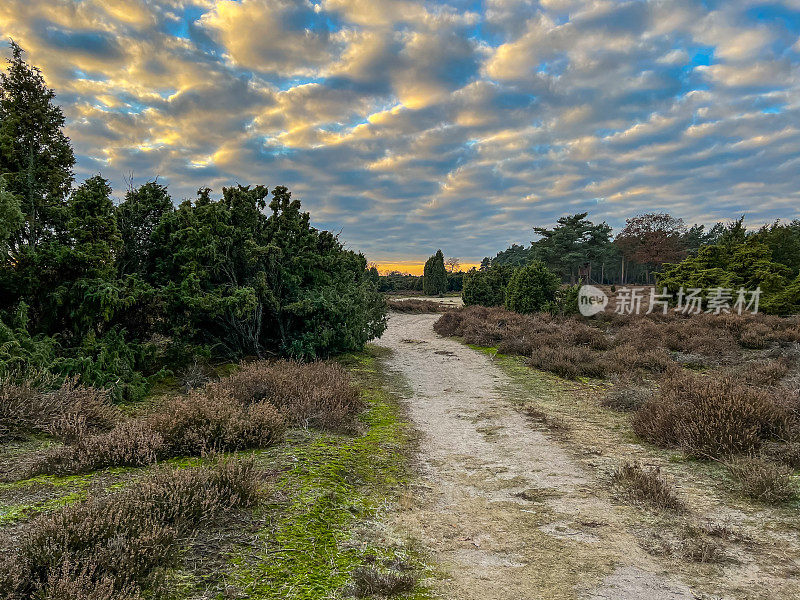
(370, 581)
(115, 546)
(67, 412)
(648, 487)
(553, 422)
(764, 481)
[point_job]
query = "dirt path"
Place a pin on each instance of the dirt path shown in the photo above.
(506, 512)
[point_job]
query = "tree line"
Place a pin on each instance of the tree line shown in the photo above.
(658, 249)
(119, 293)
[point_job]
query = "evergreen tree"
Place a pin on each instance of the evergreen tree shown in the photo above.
(575, 242)
(11, 218)
(35, 155)
(138, 217)
(92, 228)
(486, 287)
(434, 275)
(532, 288)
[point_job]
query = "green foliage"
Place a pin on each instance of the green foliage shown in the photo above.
(434, 277)
(515, 256)
(486, 287)
(573, 243)
(455, 281)
(532, 288)
(117, 294)
(399, 282)
(737, 261)
(783, 241)
(11, 217)
(138, 217)
(245, 283)
(566, 301)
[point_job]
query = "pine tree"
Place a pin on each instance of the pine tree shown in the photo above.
(35, 156)
(434, 277)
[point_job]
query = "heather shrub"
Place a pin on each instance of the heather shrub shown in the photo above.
(649, 487)
(627, 398)
(418, 306)
(369, 582)
(199, 423)
(118, 545)
(707, 416)
(66, 412)
(131, 444)
(755, 336)
(450, 323)
(212, 420)
(621, 359)
(568, 362)
(762, 372)
(786, 452)
(764, 481)
(319, 394)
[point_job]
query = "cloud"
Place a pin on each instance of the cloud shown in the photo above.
(410, 125)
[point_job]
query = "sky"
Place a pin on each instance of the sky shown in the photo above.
(410, 126)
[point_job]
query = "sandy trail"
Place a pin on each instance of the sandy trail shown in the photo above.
(505, 511)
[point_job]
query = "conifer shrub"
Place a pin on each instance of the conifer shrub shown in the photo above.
(434, 278)
(532, 289)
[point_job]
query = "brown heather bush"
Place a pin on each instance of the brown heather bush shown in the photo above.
(68, 412)
(762, 372)
(755, 336)
(627, 398)
(649, 487)
(369, 582)
(568, 362)
(212, 420)
(249, 409)
(710, 416)
(319, 394)
(764, 481)
(116, 546)
(418, 306)
(627, 358)
(197, 424)
(785, 452)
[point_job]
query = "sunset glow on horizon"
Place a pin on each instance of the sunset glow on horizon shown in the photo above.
(413, 268)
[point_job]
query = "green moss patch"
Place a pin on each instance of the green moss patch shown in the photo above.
(323, 534)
